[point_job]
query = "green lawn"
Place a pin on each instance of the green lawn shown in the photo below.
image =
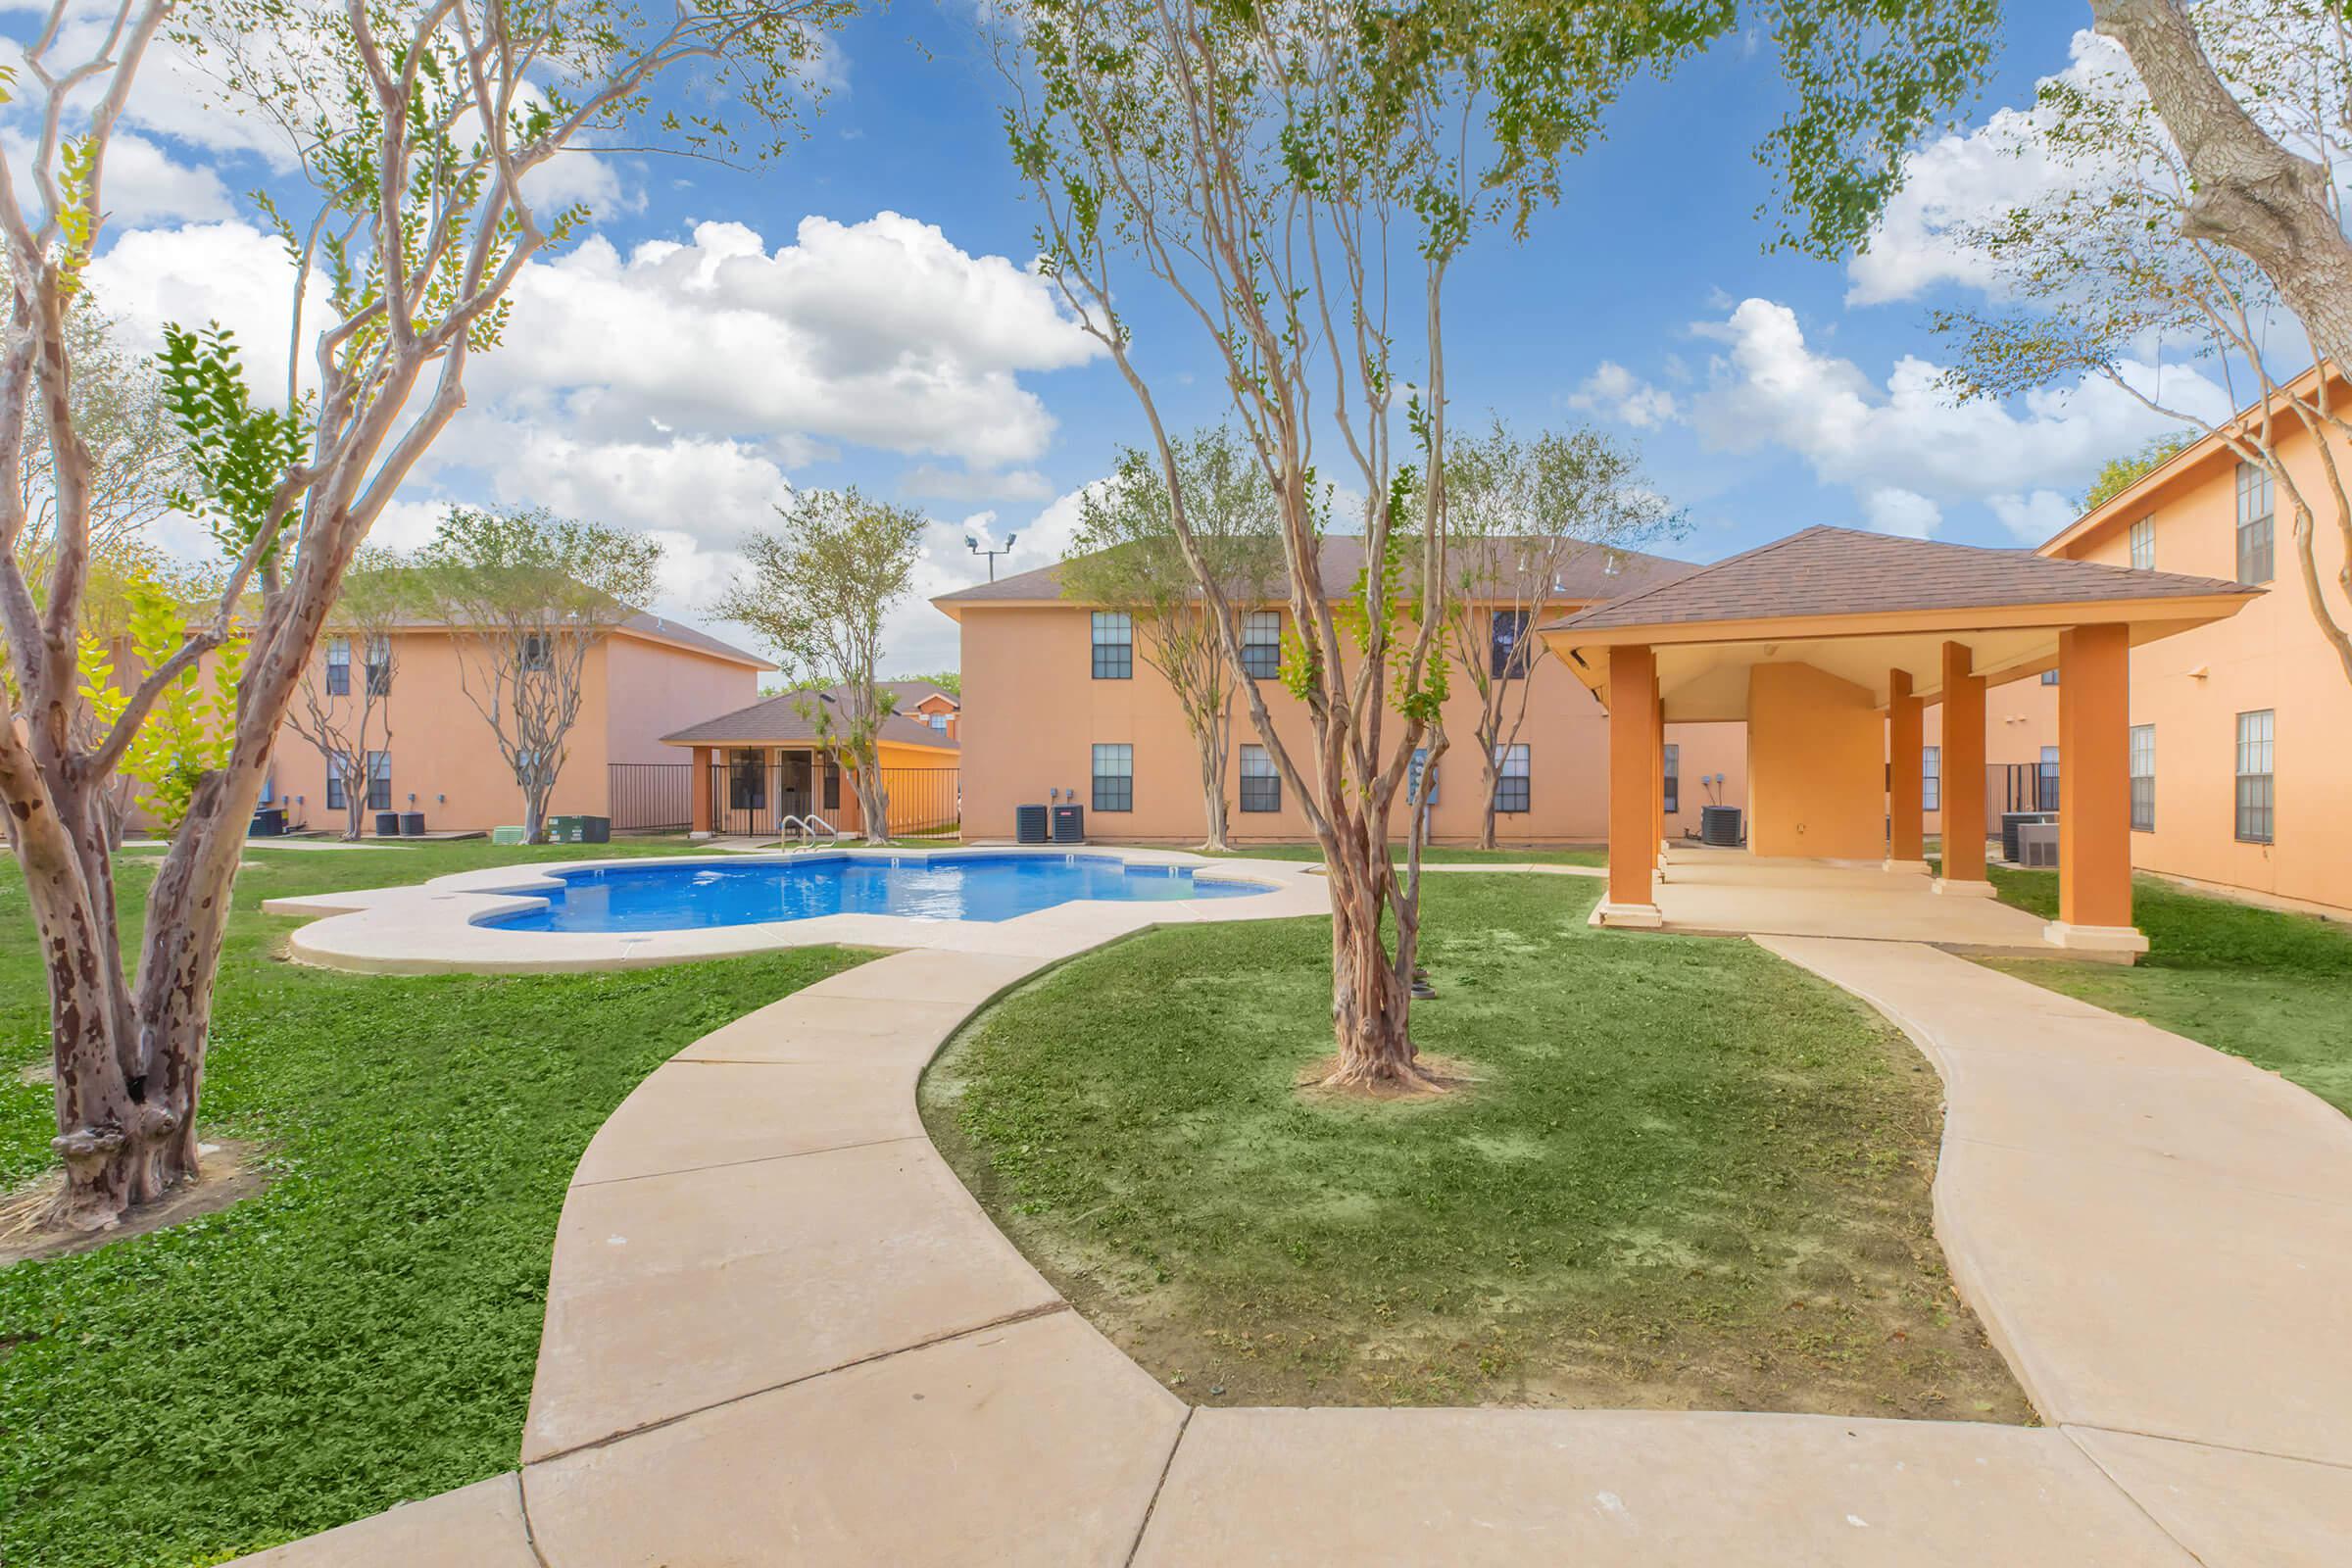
(1689, 1175)
(364, 1329)
(2270, 987)
(1435, 854)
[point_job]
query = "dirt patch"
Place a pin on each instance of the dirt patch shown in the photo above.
(232, 1172)
(1446, 1076)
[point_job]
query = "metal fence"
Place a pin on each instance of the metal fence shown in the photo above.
(650, 797)
(924, 802)
(2018, 787)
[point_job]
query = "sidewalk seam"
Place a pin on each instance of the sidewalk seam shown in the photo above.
(2128, 1495)
(530, 1537)
(754, 1160)
(2208, 1443)
(1157, 1487)
(1007, 1320)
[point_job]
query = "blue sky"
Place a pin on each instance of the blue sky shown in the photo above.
(859, 311)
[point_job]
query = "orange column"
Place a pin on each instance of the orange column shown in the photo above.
(697, 792)
(1632, 787)
(1963, 774)
(2095, 784)
(1657, 776)
(1906, 789)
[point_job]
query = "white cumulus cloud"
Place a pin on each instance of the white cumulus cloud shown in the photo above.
(1614, 392)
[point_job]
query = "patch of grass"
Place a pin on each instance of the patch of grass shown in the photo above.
(365, 1331)
(1686, 1175)
(2271, 987)
(1435, 854)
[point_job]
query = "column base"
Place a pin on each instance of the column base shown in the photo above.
(701, 833)
(1963, 890)
(2119, 942)
(1915, 867)
(1627, 916)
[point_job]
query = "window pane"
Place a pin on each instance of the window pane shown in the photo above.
(1114, 645)
(1412, 777)
(379, 781)
(2143, 777)
(1262, 785)
(338, 667)
(2144, 544)
(1931, 782)
(1510, 652)
(1512, 790)
(2255, 816)
(1261, 644)
(2254, 513)
(1114, 777)
(1674, 779)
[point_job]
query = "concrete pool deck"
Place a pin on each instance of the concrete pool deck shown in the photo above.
(779, 1329)
(430, 927)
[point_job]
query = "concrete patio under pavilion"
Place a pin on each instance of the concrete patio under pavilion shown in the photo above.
(1828, 645)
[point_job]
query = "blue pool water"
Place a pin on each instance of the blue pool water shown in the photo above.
(658, 896)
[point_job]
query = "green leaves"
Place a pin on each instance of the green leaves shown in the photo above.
(240, 453)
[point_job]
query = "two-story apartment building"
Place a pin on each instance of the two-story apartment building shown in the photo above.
(1062, 705)
(442, 759)
(2237, 779)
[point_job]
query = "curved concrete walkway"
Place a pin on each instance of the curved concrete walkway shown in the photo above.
(779, 1330)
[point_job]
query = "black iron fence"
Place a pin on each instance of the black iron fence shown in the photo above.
(924, 802)
(2018, 787)
(650, 797)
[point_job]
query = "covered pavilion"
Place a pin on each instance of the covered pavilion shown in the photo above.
(1828, 643)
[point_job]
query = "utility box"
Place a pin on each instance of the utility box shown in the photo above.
(268, 823)
(387, 825)
(1719, 826)
(1069, 824)
(510, 835)
(2012, 824)
(1029, 824)
(579, 830)
(2037, 845)
(412, 824)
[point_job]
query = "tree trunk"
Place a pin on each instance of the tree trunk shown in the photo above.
(534, 811)
(2252, 195)
(355, 801)
(873, 804)
(1370, 1001)
(1212, 796)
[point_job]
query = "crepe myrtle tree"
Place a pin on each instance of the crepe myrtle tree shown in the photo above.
(1125, 559)
(818, 591)
(1522, 513)
(346, 701)
(415, 127)
(2107, 258)
(1297, 179)
(526, 598)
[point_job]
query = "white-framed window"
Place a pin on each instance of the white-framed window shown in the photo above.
(338, 667)
(2255, 800)
(379, 781)
(335, 798)
(380, 666)
(2143, 545)
(937, 721)
(1262, 784)
(2049, 677)
(1114, 777)
(1930, 778)
(1673, 755)
(2143, 779)
(1114, 645)
(538, 651)
(2255, 508)
(1507, 650)
(1412, 778)
(1512, 790)
(1261, 644)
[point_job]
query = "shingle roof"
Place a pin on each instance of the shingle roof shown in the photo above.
(779, 721)
(1845, 571)
(1589, 574)
(661, 628)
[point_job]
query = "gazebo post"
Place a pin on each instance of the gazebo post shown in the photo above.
(2094, 793)
(1963, 775)
(1657, 773)
(1634, 789)
(698, 792)
(1906, 787)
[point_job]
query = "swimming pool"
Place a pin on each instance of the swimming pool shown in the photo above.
(680, 896)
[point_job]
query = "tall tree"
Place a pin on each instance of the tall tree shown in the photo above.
(2106, 259)
(417, 125)
(346, 707)
(819, 590)
(526, 598)
(1523, 514)
(2255, 188)
(137, 466)
(1127, 560)
(2119, 474)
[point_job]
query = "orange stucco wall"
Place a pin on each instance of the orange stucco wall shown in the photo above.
(2269, 656)
(1033, 713)
(445, 755)
(1816, 765)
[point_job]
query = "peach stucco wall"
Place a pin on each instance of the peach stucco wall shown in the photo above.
(2270, 655)
(445, 755)
(1033, 713)
(1816, 765)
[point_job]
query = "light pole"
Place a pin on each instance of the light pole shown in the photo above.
(973, 545)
